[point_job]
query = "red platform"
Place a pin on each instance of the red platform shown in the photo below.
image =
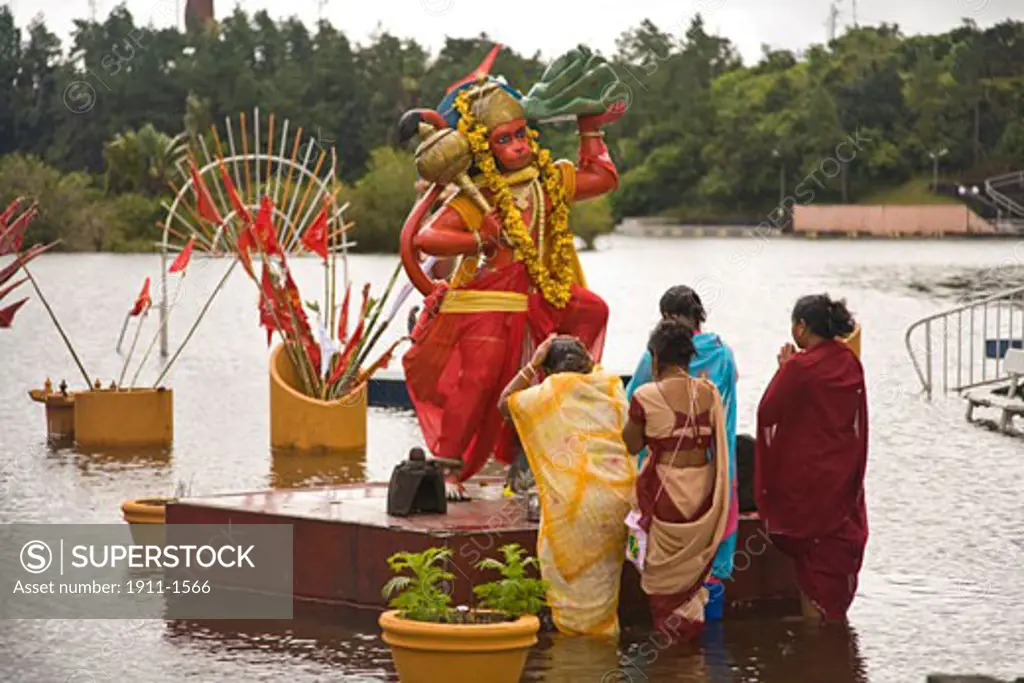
(342, 537)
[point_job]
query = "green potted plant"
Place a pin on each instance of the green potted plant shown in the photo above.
(432, 642)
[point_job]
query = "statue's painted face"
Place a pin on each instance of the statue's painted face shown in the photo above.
(510, 144)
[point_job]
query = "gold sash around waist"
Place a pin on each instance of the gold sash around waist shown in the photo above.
(483, 301)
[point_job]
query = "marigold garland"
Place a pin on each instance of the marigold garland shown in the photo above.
(554, 282)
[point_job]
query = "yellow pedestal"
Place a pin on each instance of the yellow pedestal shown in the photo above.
(60, 419)
(129, 417)
(60, 413)
(853, 341)
(303, 423)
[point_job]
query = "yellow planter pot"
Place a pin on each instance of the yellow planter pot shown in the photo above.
(146, 517)
(127, 417)
(440, 653)
(303, 423)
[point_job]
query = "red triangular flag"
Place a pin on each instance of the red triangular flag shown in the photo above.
(315, 237)
(142, 302)
(8, 213)
(481, 71)
(181, 261)
(204, 204)
(343, 319)
(236, 201)
(10, 288)
(8, 271)
(263, 228)
(12, 238)
(7, 314)
(382, 362)
(8, 242)
(244, 246)
(357, 335)
(291, 305)
(267, 305)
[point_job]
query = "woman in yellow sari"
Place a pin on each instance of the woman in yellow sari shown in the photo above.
(683, 485)
(570, 426)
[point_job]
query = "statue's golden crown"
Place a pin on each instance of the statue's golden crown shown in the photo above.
(492, 105)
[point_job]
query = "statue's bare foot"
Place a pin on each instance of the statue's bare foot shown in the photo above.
(455, 492)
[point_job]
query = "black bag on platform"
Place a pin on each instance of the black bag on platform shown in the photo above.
(417, 487)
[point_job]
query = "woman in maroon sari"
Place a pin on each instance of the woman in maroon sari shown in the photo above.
(812, 444)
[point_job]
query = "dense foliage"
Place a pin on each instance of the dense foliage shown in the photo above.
(421, 594)
(421, 587)
(515, 593)
(94, 124)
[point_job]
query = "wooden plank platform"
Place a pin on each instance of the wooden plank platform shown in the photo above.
(342, 537)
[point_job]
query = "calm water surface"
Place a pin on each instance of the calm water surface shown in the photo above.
(942, 585)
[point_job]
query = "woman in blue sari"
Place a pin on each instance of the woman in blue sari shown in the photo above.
(714, 361)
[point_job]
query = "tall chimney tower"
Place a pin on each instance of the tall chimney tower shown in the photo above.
(198, 14)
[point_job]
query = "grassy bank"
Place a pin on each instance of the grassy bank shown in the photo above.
(914, 191)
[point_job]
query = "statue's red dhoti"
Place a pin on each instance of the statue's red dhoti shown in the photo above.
(518, 278)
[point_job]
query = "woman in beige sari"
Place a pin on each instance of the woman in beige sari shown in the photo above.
(683, 486)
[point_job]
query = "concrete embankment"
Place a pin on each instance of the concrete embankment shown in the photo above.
(889, 221)
(945, 678)
(659, 227)
(844, 221)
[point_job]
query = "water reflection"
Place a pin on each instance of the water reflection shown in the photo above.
(796, 651)
(59, 442)
(112, 460)
(744, 650)
(332, 637)
(921, 452)
(560, 658)
(291, 469)
(717, 657)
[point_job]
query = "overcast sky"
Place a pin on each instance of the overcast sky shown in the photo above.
(552, 26)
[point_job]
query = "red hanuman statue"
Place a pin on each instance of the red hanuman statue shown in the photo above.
(518, 279)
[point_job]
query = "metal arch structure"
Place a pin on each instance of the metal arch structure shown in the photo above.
(297, 184)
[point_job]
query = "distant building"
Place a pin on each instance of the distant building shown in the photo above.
(198, 14)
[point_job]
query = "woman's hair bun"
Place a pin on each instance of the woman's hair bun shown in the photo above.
(826, 318)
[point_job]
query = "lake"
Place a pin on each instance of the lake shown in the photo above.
(941, 589)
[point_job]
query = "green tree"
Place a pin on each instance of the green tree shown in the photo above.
(704, 137)
(73, 209)
(143, 161)
(381, 200)
(590, 219)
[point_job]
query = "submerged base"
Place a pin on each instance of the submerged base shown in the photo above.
(60, 413)
(343, 537)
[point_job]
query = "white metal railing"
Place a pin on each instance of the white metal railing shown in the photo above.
(994, 188)
(964, 346)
